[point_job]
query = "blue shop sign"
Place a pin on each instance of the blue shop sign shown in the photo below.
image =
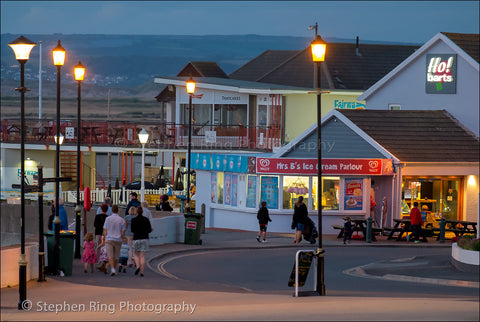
(220, 162)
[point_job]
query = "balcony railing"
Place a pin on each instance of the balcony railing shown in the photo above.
(162, 135)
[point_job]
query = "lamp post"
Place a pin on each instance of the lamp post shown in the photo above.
(58, 60)
(79, 72)
(143, 137)
(190, 90)
(318, 47)
(22, 48)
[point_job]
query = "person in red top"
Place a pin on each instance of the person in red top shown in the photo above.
(416, 221)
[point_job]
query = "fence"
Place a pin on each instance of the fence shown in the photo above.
(118, 196)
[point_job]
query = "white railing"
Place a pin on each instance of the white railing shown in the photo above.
(118, 196)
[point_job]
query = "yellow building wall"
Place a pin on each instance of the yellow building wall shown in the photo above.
(301, 110)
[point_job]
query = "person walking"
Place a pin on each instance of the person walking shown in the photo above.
(164, 205)
(132, 213)
(141, 227)
(263, 219)
(62, 214)
(108, 202)
(123, 260)
(416, 221)
(300, 214)
(347, 230)
(133, 202)
(89, 255)
(147, 213)
(114, 230)
(100, 221)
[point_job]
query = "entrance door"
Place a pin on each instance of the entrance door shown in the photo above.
(450, 196)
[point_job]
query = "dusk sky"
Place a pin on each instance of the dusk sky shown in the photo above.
(398, 21)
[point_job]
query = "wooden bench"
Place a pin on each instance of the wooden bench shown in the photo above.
(389, 231)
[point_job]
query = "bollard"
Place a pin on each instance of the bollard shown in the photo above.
(369, 230)
(441, 236)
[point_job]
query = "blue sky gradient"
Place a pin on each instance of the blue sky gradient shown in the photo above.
(397, 21)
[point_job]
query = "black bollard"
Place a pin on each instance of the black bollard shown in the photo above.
(369, 230)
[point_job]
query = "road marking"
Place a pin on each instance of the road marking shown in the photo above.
(360, 272)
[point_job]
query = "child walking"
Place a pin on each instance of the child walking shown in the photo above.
(123, 260)
(347, 230)
(102, 258)
(89, 255)
(263, 219)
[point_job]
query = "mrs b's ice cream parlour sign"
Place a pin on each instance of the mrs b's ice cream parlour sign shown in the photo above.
(329, 166)
(441, 74)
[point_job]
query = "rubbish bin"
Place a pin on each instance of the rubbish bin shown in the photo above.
(193, 228)
(67, 239)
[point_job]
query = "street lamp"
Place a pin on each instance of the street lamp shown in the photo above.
(22, 48)
(58, 60)
(143, 137)
(319, 47)
(79, 72)
(190, 90)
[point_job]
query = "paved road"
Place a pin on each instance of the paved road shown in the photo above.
(267, 271)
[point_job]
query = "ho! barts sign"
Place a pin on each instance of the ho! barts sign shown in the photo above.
(441, 74)
(329, 166)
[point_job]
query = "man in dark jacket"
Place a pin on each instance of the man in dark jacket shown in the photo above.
(263, 219)
(133, 202)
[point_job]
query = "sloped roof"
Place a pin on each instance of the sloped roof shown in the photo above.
(262, 64)
(460, 38)
(342, 69)
(202, 69)
(418, 135)
(470, 43)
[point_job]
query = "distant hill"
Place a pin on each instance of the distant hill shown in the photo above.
(129, 63)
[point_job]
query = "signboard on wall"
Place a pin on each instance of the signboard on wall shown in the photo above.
(220, 162)
(269, 191)
(252, 192)
(441, 74)
(353, 199)
(329, 166)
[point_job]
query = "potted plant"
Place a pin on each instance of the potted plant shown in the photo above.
(465, 253)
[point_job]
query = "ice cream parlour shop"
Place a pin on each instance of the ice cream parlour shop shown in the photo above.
(232, 187)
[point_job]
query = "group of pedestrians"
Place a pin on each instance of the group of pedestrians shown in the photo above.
(119, 241)
(299, 221)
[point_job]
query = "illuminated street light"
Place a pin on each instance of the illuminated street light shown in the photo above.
(22, 48)
(143, 138)
(79, 72)
(319, 47)
(58, 60)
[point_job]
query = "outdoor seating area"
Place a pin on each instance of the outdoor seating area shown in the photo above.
(402, 229)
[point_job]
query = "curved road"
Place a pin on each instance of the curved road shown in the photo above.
(268, 271)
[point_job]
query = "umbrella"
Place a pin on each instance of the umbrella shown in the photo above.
(160, 179)
(117, 184)
(178, 185)
(109, 191)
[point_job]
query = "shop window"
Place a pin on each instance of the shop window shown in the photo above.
(262, 115)
(269, 191)
(230, 114)
(220, 185)
(202, 115)
(230, 189)
(293, 187)
(330, 194)
(251, 192)
(436, 196)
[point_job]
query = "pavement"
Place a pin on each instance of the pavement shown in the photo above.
(85, 296)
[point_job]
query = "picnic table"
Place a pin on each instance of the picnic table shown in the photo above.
(460, 227)
(404, 226)
(359, 225)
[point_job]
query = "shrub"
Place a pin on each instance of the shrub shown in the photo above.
(469, 242)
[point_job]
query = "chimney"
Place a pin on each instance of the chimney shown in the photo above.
(357, 52)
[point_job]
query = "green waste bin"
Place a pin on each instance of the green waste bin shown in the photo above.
(193, 229)
(67, 241)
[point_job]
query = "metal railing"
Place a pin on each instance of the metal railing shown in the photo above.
(161, 135)
(118, 196)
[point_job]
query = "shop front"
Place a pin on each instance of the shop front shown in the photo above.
(238, 184)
